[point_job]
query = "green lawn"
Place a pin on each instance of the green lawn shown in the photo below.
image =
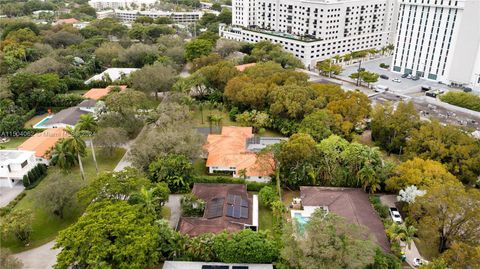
(45, 225)
(36, 119)
(265, 218)
(13, 143)
(197, 118)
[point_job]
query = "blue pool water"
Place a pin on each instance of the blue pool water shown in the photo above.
(301, 219)
(42, 122)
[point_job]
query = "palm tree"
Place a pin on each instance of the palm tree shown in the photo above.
(77, 146)
(88, 123)
(147, 199)
(400, 232)
(62, 156)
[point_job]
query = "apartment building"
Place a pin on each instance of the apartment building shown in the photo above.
(121, 4)
(314, 30)
(129, 16)
(439, 40)
(14, 164)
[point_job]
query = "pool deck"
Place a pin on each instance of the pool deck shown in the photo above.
(39, 125)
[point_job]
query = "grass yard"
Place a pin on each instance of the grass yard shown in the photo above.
(13, 143)
(36, 119)
(265, 218)
(197, 118)
(45, 225)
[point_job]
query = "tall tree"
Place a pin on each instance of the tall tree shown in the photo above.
(391, 126)
(77, 146)
(62, 156)
(87, 123)
(111, 234)
(153, 79)
(450, 145)
(328, 241)
(418, 172)
(448, 213)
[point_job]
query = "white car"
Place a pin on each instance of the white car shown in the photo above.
(397, 218)
(396, 80)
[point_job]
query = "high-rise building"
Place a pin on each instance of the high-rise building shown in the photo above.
(439, 40)
(314, 30)
(121, 4)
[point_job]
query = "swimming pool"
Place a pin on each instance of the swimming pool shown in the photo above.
(301, 219)
(41, 123)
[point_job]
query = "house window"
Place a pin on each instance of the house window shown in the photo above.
(24, 163)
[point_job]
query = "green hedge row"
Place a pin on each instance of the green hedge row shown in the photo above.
(251, 185)
(34, 176)
(8, 208)
(462, 99)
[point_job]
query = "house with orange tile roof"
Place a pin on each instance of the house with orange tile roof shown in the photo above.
(235, 150)
(66, 21)
(42, 142)
(98, 93)
(242, 67)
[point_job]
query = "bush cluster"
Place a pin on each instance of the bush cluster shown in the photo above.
(34, 176)
(462, 99)
(377, 205)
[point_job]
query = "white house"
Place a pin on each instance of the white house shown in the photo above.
(112, 73)
(314, 30)
(14, 164)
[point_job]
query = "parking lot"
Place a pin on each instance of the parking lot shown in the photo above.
(406, 86)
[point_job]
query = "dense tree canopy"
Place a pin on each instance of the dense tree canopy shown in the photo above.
(458, 151)
(446, 214)
(418, 172)
(327, 242)
(113, 234)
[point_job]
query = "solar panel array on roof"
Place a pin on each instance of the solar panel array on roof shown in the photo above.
(239, 267)
(237, 207)
(215, 208)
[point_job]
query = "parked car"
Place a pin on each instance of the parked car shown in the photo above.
(415, 78)
(409, 76)
(405, 75)
(467, 89)
(397, 80)
(380, 88)
(397, 218)
(384, 76)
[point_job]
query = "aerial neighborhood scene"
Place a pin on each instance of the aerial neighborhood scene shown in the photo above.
(239, 134)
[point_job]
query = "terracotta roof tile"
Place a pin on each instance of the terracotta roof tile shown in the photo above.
(44, 141)
(97, 93)
(242, 67)
(229, 149)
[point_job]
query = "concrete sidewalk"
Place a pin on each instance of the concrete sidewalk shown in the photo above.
(42, 257)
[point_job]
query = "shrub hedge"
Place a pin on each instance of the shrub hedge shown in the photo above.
(462, 99)
(251, 185)
(34, 176)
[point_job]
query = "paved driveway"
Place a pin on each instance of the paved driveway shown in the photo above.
(43, 257)
(8, 194)
(412, 252)
(175, 211)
